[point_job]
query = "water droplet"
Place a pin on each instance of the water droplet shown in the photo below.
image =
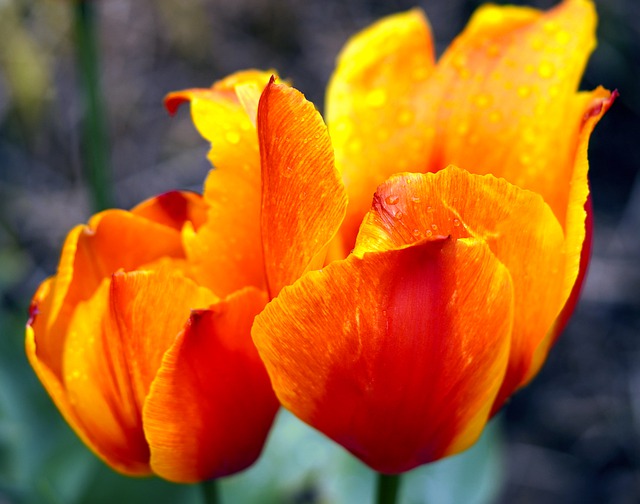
(416, 199)
(434, 227)
(392, 199)
(524, 91)
(399, 215)
(537, 44)
(355, 146)
(376, 98)
(405, 117)
(232, 137)
(563, 37)
(429, 232)
(456, 222)
(383, 134)
(460, 64)
(430, 209)
(483, 100)
(416, 232)
(493, 50)
(546, 70)
(420, 73)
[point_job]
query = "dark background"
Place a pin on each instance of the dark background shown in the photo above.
(570, 437)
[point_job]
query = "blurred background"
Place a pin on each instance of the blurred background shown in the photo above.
(570, 437)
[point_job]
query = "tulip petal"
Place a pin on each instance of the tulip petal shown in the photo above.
(112, 240)
(52, 382)
(578, 225)
(376, 105)
(173, 209)
(397, 355)
(303, 198)
(519, 227)
(504, 96)
(211, 405)
(115, 344)
(225, 251)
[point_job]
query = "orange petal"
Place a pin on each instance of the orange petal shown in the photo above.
(173, 209)
(53, 384)
(518, 226)
(211, 405)
(376, 105)
(113, 240)
(114, 347)
(504, 96)
(578, 225)
(397, 355)
(303, 198)
(225, 252)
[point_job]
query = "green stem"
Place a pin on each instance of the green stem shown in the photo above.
(211, 492)
(94, 138)
(387, 488)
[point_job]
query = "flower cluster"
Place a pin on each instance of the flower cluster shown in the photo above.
(391, 277)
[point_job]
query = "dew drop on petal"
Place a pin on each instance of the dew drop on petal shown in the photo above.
(391, 199)
(563, 37)
(546, 70)
(233, 137)
(524, 91)
(376, 98)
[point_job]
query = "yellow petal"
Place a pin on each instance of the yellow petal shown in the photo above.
(225, 252)
(504, 96)
(578, 224)
(303, 198)
(397, 355)
(376, 104)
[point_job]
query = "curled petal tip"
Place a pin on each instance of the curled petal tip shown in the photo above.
(173, 101)
(601, 105)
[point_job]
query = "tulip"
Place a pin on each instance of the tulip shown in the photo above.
(469, 261)
(142, 338)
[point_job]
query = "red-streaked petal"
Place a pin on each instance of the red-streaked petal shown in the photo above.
(303, 198)
(578, 225)
(115, 344)
(518, 226)
(376, 104)
(112, 240)
(173, 209)
(397, 355)
(211, 405)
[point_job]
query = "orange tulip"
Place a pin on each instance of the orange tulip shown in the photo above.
(463, 273)
(143, 339)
